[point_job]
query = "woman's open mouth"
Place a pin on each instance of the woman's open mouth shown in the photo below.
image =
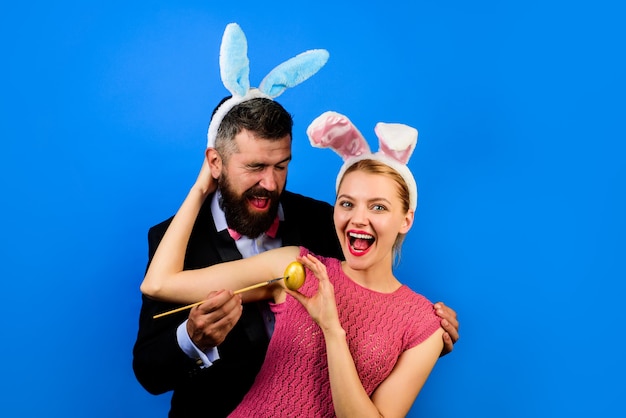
(360, 242)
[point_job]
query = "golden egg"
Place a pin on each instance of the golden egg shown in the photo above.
(294, 275)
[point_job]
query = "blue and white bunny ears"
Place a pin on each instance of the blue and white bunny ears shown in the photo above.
(235, 71)
(396, 144)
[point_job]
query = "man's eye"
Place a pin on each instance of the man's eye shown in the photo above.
(345, 204)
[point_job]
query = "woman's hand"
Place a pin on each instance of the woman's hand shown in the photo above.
(322, 306)
(205, 182)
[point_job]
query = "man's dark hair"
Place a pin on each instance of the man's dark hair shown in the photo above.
(266, 118)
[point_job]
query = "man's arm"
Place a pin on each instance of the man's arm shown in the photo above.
(158, 361)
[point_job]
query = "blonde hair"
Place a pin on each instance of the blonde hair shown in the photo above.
(377, 167)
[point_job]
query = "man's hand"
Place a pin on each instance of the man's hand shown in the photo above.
(450, 325)
(210, 322)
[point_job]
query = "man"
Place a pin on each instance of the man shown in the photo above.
(210, 355)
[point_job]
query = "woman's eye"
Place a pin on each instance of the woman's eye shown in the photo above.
(379, 207)
(345, 204)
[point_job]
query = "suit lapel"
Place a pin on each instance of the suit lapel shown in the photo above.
(289, 230)
(226, 247)
(206, 245)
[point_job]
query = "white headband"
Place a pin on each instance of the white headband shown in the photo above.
(235, 70)
(396, 144)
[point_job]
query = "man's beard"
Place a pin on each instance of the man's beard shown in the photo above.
(238, 216)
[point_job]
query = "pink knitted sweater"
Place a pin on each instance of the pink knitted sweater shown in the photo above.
(294, 381)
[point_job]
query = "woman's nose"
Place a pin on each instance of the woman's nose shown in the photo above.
(359, 215)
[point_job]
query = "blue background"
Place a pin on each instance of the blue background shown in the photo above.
(520, 164)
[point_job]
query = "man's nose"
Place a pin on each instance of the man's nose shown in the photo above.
(268, 180)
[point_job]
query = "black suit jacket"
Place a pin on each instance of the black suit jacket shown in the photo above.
(159, 363)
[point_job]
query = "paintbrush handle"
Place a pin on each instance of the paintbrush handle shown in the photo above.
(254, 286)
(182, 308)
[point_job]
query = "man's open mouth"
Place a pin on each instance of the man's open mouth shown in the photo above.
(260, 203)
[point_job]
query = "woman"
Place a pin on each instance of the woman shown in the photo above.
(353, 340)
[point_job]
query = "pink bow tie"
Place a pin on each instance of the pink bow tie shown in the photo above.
(271, 232)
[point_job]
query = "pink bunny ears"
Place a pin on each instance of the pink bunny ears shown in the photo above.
(396, 144)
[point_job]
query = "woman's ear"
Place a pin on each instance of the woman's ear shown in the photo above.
(407, 223)
(215, 162)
